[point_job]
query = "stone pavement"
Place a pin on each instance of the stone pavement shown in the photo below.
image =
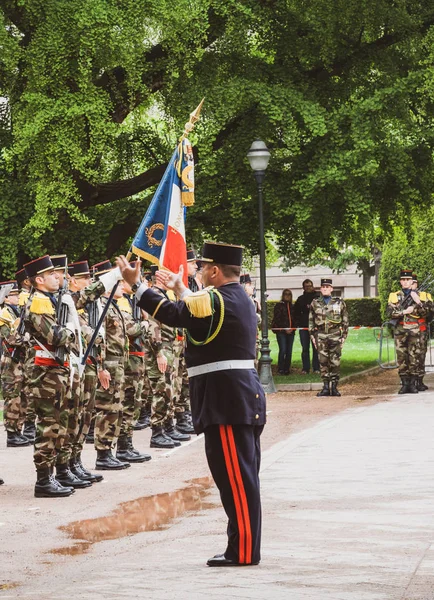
(348, 509)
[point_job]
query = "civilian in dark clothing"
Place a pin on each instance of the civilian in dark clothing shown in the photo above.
(282, 326)
(301, 316)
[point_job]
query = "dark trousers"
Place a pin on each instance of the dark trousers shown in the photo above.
(234, 456)
(306, 342)
(285, 342)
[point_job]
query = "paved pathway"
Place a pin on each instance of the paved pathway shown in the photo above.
(348, 515)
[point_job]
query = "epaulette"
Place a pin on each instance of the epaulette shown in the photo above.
(5, 317)
(393, 298)
(423, 296)
(80, 311)
(124, 305)
(23, 297)
(429, 297)
(41, 305)
(199, 303)
(171, 295)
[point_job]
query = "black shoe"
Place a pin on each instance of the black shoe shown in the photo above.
(79, 471)
(334, 389)
(412, 385)
(184, 424)
(16, 440)
(66, 477)
(421, 387)
(219, 560)
(144, 420)
(404, 385)
(127, 452)
(325, 390)
(176, 435)
(160, 440)
(29, 431)
(105, 461)
(1, 482)
(139, 426)
(48, 487)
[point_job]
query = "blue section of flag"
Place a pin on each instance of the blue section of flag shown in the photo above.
(152, 233)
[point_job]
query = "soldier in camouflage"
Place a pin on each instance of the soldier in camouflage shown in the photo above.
(407, 331)
(328, 328)
(424, 324)
(12, 370)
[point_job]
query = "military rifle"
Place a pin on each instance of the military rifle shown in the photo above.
(62, 311)
(21, 329)
(93, 313)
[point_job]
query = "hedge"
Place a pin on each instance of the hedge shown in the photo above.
(361, 311)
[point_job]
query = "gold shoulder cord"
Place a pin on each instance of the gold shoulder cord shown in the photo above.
(209, 338)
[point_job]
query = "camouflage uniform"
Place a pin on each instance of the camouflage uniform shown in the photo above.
(28, 407)
(427, 302)
(48, 382)
(12, 371)
(181, 395)
(407, 334)
(328, 324)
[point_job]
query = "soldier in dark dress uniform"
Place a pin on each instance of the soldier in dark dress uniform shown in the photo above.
(227, 399)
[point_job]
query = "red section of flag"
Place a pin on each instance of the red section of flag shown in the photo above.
(175, 253)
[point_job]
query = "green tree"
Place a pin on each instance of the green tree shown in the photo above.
(98, 91)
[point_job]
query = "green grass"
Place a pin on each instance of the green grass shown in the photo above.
(360, 352)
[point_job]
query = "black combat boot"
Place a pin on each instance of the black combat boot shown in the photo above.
(144, 420)
(421, 387)
(105, 461)
(90, 436)
(325, 389)
(1, 482)
(334, 388)
(412, 385)
(404, 385)
(29, 431)
(173, 432)
(66, 477)
(183, 422)
(126, 451)
(48, 487)
(159, 439)
(81, 472)
(16, 440)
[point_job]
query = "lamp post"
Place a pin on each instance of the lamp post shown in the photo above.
(259, 156)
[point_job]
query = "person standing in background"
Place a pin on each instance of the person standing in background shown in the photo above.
(283, 326)
(301, 316)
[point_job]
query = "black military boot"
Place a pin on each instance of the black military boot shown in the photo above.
(105, 461)
(29, 431)
(159, 439)
(421, 387)
(325, 389)
(404, 385)
(126, 451)
(66, 477)
(48, 487)
(81, 472)
(173, 432)
(90, 436)
(334, 389)
(412, 385)
(144, 420)
(183, 423)
(16, 440)
(1, 481)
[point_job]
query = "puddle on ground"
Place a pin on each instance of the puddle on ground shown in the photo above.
(150, 513)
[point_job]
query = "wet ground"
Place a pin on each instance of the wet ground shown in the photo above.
(167, 503)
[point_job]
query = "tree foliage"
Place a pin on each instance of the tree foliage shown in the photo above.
(99, 90)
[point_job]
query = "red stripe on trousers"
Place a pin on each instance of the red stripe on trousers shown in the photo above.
(235, 494)
(244, 504)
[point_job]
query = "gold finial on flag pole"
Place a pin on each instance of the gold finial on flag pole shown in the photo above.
(194, 118)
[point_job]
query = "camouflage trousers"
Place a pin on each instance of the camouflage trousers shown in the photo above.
(181, 391)
(162, 390)
(423, 350)
(48, 389)
(108, 406)
(408, 351)
(30, 407)
(73, 405)
(134, 374)
(329, 355)
(146, 393)
(15, 400)
(86, 408)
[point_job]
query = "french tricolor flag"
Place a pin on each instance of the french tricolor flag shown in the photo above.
(160, 238)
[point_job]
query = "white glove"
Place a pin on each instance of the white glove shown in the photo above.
(68, 300)
(109, 279)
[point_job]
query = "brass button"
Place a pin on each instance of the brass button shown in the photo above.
(257, 396)
(256, 416)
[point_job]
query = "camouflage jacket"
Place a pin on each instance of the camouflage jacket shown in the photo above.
(161, 336)
(9, 316)
(41, 324)
(395, 311)
(328, 319)
(115, 344)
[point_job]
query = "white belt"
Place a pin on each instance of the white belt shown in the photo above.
(44, 354)
(223, 365)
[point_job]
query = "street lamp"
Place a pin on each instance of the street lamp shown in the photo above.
(259, 156)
